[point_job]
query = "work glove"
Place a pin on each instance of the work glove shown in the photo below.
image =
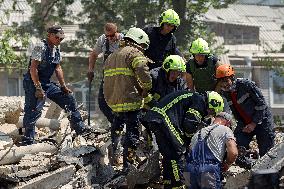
(39, 93)
(90, 76)
(65, 89)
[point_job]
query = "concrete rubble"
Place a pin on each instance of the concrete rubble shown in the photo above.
(60, 159)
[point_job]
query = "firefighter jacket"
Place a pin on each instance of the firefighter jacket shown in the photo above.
(126, 77)
(161, 85)
(250, 100)
(203, 75)
(180, 112)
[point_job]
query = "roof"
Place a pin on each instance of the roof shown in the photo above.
(23, 12)
(268, 19)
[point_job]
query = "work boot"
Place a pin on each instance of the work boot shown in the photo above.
(131, 155)
(25, 141)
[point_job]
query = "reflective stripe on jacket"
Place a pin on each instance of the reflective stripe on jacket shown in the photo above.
(126, 76)
(250, 99)
(173, 109)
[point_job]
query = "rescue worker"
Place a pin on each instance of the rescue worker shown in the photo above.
(167, 79)
(205, 161)
(126, 82)
(45, 59)
(249, 108)
(106, 44)
(173, 120)
(201, 68)
(162, 39)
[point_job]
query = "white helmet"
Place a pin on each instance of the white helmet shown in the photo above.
(139, 36)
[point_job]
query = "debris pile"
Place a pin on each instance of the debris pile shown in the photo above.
(60, 159)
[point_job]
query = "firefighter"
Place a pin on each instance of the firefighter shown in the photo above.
(127, 81)
(162, 39)
(46, 60)
(205, 161)
(173, 120)
(201, 68)
(249, 108)
(167, 79)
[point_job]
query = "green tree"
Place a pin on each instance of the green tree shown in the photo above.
(10, 42)
(142, 12)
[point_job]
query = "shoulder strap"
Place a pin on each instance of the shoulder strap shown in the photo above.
(107, 44)
(208, 134)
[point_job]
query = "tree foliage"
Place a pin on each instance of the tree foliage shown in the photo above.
(144, 12)
(10, 42)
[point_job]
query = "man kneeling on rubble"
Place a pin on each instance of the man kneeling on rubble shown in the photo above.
(44, 61)
(205, 161)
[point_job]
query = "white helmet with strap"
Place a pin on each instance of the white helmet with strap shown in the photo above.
(138, 36)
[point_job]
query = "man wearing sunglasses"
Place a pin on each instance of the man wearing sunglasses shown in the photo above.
(105, 45)
(45, 60)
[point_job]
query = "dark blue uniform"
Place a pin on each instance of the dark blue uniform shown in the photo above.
(33, 106)
(160, 46)
(252, 102)
(161, 85)
(172, 120)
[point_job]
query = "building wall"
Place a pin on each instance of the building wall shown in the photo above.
(236, 34)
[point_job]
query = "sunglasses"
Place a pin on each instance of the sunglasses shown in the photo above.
(111, 36)
(58, 38)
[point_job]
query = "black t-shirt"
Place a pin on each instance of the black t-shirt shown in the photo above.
(160, 46)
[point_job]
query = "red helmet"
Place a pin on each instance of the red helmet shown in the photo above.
(225, 70)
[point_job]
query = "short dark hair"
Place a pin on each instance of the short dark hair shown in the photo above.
(54, 29)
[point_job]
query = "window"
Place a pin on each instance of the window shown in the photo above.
(276, 89)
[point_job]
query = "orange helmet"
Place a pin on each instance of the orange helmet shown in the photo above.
(225, 70)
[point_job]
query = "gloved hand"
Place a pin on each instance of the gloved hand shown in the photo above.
(90, 76)
(39, 93)
(224, 167)
(65, 89)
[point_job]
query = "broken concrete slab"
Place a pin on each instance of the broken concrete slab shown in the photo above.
(149, 170)
(273, 159)
(10, 109)
(16, 153)
(10, 129)
(5, 141)
(53, 124)
(50, 180)
(54, 111)
(116, 182)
